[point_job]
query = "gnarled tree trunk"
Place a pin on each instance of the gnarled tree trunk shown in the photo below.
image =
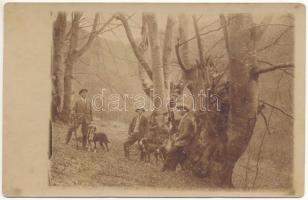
(221, 155)
(243, 89)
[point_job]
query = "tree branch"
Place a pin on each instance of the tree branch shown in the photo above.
(199, 42)
(200, 48)
(276, 108)
(276, 40)
(260, 30)
(93, 34)
(177, 53)
(259, 71)
(201, 34)
(282, 69)
(135, 47)
(223, 23)
(118, 25)
(266, 122)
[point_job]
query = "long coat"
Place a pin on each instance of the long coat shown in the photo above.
(186, 130)
(143, 126)
(83, 110)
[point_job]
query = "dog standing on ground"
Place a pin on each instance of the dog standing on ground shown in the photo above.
(94, 137)
(147, 148)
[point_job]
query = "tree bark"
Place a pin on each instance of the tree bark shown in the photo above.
(59, 28)
(69, 64)
(224, 145)
(183, 36)
(158, 82)
(243, 89)
(167, 50)
(243, 95)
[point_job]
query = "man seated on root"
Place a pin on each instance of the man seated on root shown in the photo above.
(137, 129)
(176, 152)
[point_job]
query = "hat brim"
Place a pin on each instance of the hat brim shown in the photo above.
(83, 90)
(141, 109)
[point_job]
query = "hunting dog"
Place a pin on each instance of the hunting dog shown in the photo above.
(94, 137)
(173, 158)
(147, 148)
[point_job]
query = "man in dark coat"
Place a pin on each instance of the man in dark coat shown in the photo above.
(137, 129)
(82, 116)
(183, 138)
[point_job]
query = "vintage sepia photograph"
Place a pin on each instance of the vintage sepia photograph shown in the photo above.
(174, 97)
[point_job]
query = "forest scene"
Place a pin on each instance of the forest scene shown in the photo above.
(180, 100)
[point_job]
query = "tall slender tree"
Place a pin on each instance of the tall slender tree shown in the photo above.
(59, 28)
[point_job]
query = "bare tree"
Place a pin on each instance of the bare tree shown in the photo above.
(158, 73)
(226, 134)
(226, 145)
(75, 52)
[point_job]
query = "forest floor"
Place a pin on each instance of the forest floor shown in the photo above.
(70, 166)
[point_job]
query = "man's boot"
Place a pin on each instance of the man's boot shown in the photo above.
(126, 152)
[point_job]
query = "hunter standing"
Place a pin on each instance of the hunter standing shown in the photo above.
(82, 116)
(137, 129)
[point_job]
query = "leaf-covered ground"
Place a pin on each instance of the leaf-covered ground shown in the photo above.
(70, 166)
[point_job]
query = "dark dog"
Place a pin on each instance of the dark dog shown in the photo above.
(173, 156)
(147, 148)
(94, 137)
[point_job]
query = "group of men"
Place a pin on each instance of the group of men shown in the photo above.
(183, 133)
(140, 127)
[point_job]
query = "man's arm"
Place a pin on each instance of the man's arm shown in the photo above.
(187, 130)
(91, 115)
(75, 107)
(130, 127)
(74, 110)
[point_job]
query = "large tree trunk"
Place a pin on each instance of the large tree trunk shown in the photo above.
(158, 82)
(183, 36)
(222, 153)
(243, 88)
(167, 51)
(69, 64)
(59, 29)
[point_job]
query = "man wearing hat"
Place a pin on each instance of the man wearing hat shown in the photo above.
(82, 116)
(137, 129)
(184, 137)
